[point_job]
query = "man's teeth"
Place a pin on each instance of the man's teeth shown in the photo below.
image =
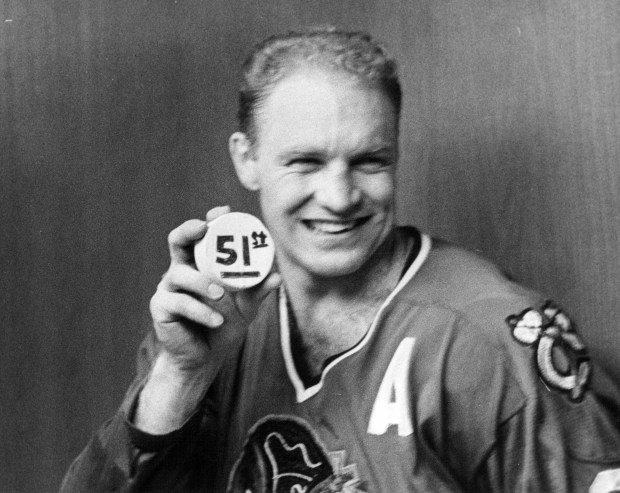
(331, 226)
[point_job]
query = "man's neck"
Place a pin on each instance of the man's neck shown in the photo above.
(310, 296)
(329, 316)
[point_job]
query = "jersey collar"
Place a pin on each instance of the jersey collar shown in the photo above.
(301, 391)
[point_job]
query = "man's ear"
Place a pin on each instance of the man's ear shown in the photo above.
(240, 149)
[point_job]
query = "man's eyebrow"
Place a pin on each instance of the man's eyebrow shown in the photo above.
(312, 152)
(292, 153)
(379, 150)
(387, 150)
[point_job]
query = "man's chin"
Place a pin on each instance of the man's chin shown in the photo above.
(335, 266)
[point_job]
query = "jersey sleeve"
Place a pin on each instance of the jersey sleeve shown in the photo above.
(122, 458)
(564, 437)
(572, 450)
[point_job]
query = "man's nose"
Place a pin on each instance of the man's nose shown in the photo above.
(336, 189)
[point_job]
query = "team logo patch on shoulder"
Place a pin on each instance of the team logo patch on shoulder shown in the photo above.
(283, 455)
(561, 356)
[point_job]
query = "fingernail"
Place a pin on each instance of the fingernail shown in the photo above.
(217, 319)
(215, 291)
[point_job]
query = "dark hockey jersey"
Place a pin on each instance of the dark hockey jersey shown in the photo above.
(465, 381)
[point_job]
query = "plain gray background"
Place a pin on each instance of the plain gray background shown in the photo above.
(113, 129)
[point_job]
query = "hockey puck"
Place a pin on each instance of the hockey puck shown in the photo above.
(237, 250)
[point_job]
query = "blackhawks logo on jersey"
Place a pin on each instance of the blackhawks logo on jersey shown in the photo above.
(283, 455)
(561, 356)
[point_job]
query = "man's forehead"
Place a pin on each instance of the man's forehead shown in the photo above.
(306, 87)
(314, 105)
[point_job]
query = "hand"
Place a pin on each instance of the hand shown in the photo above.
(194, 317)
(198, 324)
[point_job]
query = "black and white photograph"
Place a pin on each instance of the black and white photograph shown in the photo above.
(291, 246)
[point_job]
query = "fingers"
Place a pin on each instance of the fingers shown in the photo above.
(217, 212)
(181, 240)
(182, 277)
(169, 306)
(184, 293)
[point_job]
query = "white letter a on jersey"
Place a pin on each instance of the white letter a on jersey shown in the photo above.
(392, 405)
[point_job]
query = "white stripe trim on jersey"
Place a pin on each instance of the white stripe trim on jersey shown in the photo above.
(302, 393)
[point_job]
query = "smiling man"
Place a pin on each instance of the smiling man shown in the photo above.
(324, 162)
(376, 359)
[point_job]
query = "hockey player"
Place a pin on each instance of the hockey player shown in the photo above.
(376, 359)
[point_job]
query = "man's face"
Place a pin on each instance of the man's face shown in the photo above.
(325, 160)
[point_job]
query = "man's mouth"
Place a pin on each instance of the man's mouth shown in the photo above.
(333, 227)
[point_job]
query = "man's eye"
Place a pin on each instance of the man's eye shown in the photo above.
(371, 165)
(304, 164)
